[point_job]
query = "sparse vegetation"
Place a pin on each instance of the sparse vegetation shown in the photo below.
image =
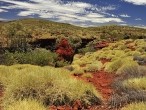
(48, 62)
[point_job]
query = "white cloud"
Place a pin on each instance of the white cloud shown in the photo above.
(141, 26)
(138, 19)
(136, 2)
(2, 10)
(125, 16)
(70, 12)
(124, 24)
(2, 19)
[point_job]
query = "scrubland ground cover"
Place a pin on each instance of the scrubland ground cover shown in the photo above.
(110, 78)
(125, 59)
(43, 85)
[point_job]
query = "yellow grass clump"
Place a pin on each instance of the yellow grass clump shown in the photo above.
(51, 86)
(136, 83)
(135, 106)
(27, 104)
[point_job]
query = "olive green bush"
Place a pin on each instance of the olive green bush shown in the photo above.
(36, 57)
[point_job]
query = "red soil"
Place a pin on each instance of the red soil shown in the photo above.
(102, 81)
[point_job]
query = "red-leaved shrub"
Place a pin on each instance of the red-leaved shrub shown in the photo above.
(64, 49)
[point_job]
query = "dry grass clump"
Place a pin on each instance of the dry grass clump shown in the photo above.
(49, 85)
(78, 71)
(26, 104)
(135, 106)
(125, 97)
(132, 70)
(135, 83)
(96, 66)
(130, 86)
(87, 75)
(116, 64)
(141, 59)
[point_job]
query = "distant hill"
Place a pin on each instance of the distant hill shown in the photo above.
(44, 29)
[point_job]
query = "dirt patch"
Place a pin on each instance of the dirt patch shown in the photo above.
(103, 81)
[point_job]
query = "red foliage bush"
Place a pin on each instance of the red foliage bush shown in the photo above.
(64, 49)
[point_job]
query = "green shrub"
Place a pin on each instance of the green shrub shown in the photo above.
(49, 85)
(27, 104)
(36, 57)
(135, 106)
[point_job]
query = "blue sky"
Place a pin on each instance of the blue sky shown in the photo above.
(78, 12)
